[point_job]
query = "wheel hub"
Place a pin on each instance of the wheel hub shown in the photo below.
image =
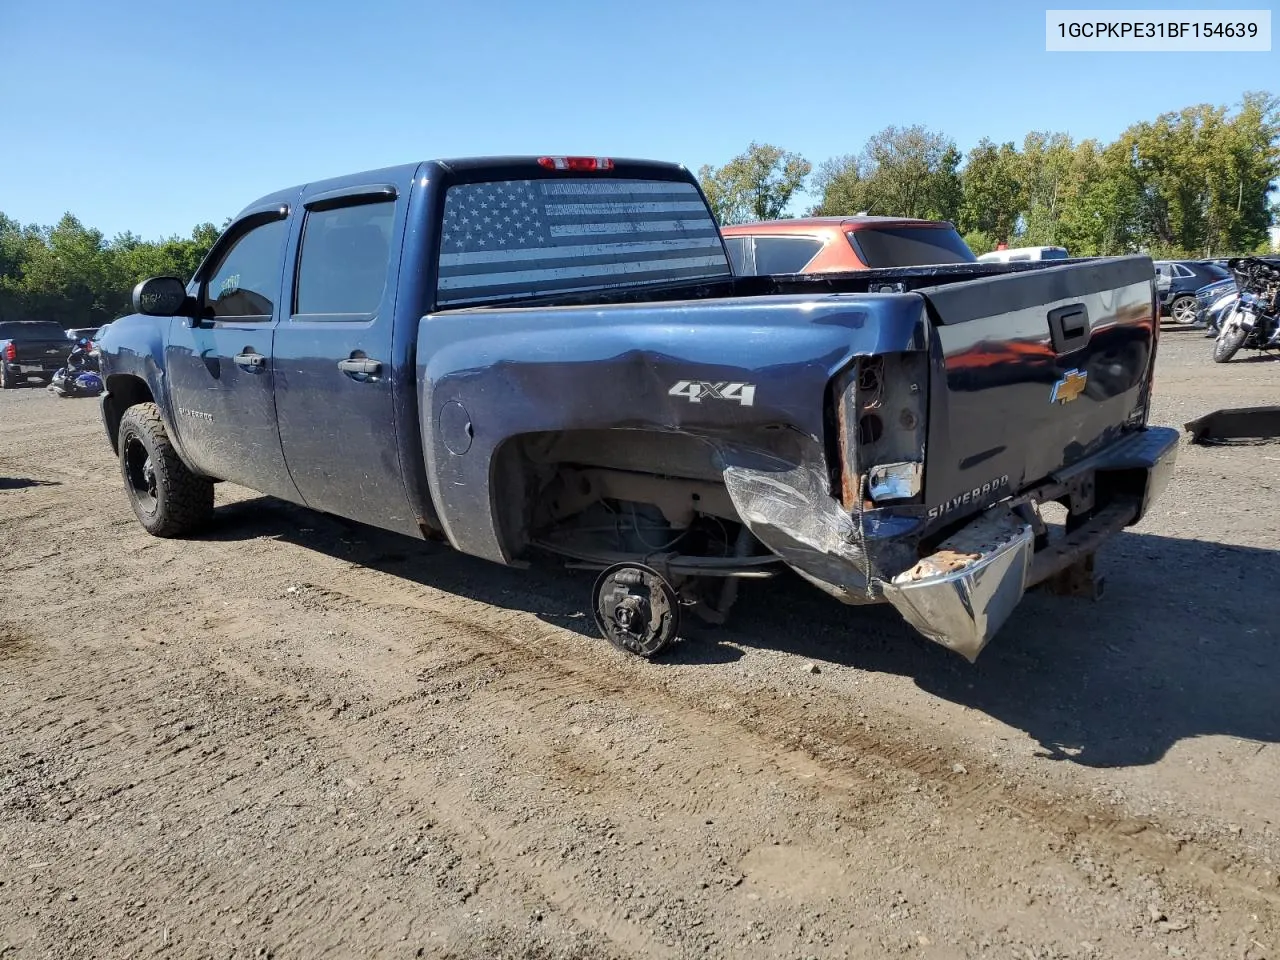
(636, 609)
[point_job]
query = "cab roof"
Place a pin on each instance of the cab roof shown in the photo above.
(465, 168)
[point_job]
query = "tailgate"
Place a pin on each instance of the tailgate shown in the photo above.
(43, 353)
(1033, 371)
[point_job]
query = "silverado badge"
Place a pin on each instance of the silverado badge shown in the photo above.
(1069, 387)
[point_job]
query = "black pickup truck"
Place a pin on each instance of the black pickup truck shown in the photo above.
(551, 357)
(31, 348)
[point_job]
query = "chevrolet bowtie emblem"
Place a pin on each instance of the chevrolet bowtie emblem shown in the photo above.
(1069, 387)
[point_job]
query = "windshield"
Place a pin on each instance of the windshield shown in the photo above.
(32, 330)
(505, 239)
(909, 246)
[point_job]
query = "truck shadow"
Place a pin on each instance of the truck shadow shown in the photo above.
(1175, 649)
(20, 483)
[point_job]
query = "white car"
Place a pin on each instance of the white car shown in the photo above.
(1025, 253)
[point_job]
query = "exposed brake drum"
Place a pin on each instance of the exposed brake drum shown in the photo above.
(636, 608)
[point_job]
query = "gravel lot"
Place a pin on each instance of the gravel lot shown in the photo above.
(299, 737)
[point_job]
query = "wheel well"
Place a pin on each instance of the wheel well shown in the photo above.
(123, 391)
(539, 480)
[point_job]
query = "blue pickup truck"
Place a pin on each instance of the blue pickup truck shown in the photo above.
(551, 358)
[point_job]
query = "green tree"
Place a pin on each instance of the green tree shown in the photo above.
(70, 274)
(991, 192)
(901, 171)
(1206, 176)
(756, 185)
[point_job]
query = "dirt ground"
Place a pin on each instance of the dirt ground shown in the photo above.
(300, 737)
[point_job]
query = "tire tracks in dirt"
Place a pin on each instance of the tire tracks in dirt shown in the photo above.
(816, 740)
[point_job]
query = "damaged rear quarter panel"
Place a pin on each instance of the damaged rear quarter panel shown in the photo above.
(496, 374)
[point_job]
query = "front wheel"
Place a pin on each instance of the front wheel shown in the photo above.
(167, 498)
(1230, 339)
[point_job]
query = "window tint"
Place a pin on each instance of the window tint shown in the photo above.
(31, 330)
(343, 265)
(737, 247)
(1181, 271)
(784, 254)
(1054, 253)
(910, 246)
(510, 239)
(248, 276)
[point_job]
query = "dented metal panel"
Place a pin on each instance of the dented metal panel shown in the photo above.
(751, 371)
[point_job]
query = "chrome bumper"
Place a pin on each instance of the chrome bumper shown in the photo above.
(961, 595)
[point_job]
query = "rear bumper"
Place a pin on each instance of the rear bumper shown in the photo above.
(34, 368)
(960, 595)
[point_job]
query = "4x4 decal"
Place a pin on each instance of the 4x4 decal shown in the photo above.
(698, 390)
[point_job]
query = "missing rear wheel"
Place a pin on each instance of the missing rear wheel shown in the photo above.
(636, 609)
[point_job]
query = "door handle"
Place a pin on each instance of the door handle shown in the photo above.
(250, 359)
(1069, 327)
(360, 367)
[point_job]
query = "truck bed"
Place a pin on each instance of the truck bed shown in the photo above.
(982, 342)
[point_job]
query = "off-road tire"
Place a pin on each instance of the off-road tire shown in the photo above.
(1225, 347)
(178, 502)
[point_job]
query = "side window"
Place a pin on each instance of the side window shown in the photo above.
(245, 282)
(785, 254)
(342, 267)
(737, 247)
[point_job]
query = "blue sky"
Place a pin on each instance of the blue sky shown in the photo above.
(154, 116)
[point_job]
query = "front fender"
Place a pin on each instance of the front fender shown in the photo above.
(132, 364)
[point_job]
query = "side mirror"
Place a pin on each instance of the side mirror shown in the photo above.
(161, 297)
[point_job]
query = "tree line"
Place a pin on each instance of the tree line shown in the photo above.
(72, 274)
(1196, 182)
(1191, 183)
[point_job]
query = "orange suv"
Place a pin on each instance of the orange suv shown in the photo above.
(840, 244)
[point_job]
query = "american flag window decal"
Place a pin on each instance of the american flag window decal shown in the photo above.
(532, 237)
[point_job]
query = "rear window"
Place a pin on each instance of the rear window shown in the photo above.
(785, 254)
(506, 239)
(32, 330)
(1054, 253)
(909, 246)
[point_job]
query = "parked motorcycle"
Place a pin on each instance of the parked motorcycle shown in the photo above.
(1252, 321)
(1212, 303)
(79, 378)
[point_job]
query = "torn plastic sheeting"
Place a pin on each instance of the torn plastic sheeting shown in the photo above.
(789, 509)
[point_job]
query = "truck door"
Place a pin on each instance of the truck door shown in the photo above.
(335, 359)
(221, 380)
